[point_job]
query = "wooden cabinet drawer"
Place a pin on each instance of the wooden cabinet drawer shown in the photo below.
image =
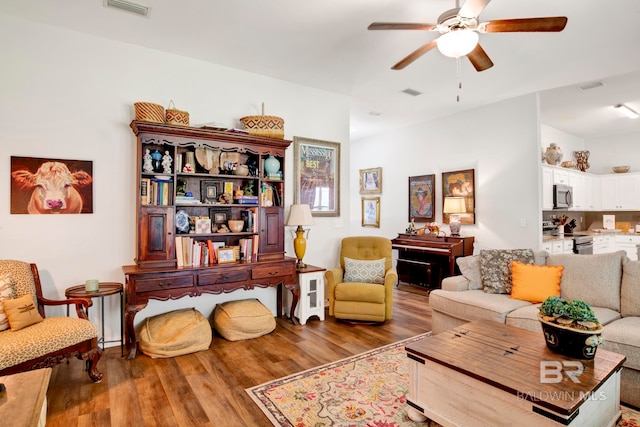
(227, 275)
(163, 283)
(273, 270)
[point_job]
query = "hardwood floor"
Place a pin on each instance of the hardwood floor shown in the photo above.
(207, 388)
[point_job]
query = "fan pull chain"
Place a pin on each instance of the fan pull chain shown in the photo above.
(458, 74)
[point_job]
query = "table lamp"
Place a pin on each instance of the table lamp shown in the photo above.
(300, 215)
(454, 206)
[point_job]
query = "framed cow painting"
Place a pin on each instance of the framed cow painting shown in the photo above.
(51, 186)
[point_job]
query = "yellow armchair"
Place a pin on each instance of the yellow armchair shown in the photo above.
(362, 301)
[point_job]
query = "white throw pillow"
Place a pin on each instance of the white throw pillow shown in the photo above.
(6, 290)
(365, 271)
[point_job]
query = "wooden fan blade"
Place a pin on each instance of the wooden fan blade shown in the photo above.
(472, 8)
(414, 55)
(551, 24)
(401, 26)
(479, 58)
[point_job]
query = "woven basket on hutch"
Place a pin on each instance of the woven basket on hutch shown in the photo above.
(176, 117)
(269, 126)
(149, 112)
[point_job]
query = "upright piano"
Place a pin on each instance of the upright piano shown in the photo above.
(419, 254)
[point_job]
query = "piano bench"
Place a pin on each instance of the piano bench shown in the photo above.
(420, 273)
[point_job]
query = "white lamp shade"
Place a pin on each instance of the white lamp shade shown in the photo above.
(457, 43)
(300, 215)
(454, 205)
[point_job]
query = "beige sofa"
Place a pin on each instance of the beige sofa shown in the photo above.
(610, 283)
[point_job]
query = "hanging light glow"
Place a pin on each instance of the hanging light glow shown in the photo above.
(457, 43)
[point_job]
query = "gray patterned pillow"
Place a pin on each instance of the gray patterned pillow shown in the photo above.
(495, 266)
(364, 271)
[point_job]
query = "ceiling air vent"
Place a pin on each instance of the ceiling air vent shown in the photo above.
(412, 92)
(128, 6)
(592, 85)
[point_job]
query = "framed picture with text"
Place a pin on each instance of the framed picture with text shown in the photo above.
(317, 175)
(422, 197)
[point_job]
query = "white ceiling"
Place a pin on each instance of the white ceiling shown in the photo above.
(325, 44)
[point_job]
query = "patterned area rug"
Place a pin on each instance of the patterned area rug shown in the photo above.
(368, 389)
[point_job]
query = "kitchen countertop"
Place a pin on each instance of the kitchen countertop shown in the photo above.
(547, 238)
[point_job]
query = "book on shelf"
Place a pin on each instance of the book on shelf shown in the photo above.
(274, 176)
(145, 183)
(179, 257)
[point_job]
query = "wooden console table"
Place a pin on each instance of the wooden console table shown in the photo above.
(419, 254)
(174, 283)
(488, 373)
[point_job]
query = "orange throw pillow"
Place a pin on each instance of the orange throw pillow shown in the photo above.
(535, 283)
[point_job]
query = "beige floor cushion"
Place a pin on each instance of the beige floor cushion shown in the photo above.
(243, 319)
(175, 333)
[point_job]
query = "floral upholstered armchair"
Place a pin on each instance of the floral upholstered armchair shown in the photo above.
(28, 339)
(361, 289)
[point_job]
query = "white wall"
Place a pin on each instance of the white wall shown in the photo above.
(619, 150)
(70, 96)
(499, 141)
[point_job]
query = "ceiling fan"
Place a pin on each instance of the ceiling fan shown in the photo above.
(459, 30)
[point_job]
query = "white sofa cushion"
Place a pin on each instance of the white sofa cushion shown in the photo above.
(630, 288)
(474, 304)
(622, 337)
(594, 279)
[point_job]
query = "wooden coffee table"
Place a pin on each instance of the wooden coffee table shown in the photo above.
(24, 403)
(489, 374)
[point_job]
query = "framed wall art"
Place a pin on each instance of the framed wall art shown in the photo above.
(371, 212)
(317, 175)
(371, 181)
(54, 195)
(461, 184)
(422, 196)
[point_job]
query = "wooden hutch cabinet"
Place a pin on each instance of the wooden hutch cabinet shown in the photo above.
(182, 219)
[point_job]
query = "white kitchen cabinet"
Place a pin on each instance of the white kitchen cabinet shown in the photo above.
(620, 192)
(563, 246)
(593, 187)
(547, 188)
(577, 182)
(628, 243)
(603, 243)
(560, 176)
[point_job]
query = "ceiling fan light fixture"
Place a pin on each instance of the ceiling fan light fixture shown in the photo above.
(457, 43)
(626, 111)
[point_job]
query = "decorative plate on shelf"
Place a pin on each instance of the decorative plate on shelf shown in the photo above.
(182, 221)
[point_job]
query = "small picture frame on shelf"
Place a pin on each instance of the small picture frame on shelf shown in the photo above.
(226, 255)
(203, 225)
(218, 216)
(209, 191)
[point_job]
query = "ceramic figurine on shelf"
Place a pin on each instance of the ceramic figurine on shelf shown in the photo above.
(147, 164)
(166, 162)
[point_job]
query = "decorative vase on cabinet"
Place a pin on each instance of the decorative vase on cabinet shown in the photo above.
(553, 155)
(271, 165)
(582, 159)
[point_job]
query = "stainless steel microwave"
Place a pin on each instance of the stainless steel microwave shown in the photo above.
(562, 196)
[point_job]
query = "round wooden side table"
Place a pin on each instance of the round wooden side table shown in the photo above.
(104, 289)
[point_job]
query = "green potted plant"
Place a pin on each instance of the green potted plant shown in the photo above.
(570, 327)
